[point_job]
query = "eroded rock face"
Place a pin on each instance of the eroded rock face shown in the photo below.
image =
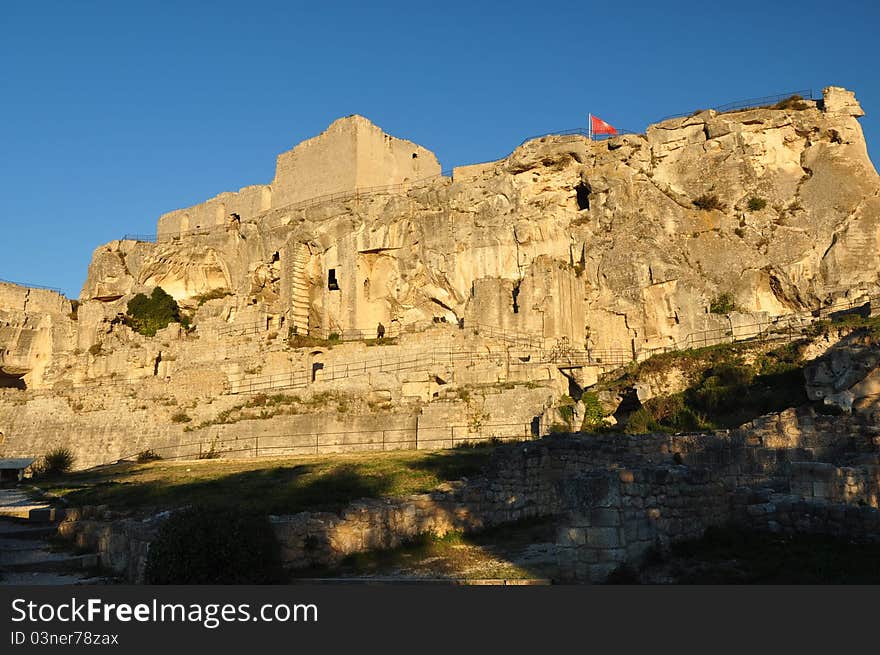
(600, 242)
(619, 245)
(35, 326)
(847, 376)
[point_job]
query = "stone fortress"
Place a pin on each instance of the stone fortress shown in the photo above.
(500, 287)
(503, 290)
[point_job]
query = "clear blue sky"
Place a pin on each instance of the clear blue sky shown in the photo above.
(112, 113)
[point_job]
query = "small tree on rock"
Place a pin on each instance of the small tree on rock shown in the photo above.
(148, 315)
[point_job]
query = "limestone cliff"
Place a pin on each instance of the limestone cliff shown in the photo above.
(617, 246)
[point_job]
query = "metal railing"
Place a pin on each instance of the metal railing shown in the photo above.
(750, 103)
(332, 334)
(764, 101)
(532, 340)
(779, 327)
(577, 131)
(338, 371)
(32, 286)
(315, 443)
(356, 194)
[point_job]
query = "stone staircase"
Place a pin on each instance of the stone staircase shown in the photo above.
(300, 289)
(28, 555)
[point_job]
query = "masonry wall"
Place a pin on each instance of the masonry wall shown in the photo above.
(247, 203)
(352, 153)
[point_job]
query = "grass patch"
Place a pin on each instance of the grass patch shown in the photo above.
(726, 555)
(497, 553)
(795, 102)
(756, 204)
(273, 486)
(723, 303)
(215, 294)
(265, 406)
(708, 202)
(728, 392)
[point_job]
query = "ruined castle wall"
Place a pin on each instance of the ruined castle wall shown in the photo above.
(26, 300)
(765, 511)
(321, 165)
(616, 517)
(247, 203)
(383, 159)
(352, 153)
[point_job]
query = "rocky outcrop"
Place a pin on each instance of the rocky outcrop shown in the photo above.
(619, 246)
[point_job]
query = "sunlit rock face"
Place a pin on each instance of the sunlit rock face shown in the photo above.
(624, 244)
(621, 243)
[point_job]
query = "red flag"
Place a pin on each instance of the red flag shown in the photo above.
(598, 126)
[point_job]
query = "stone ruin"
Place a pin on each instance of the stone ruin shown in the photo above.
(501, 290)
(500, 287)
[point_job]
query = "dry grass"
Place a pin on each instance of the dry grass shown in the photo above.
(273, 486)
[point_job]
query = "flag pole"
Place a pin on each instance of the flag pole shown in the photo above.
(590, 126)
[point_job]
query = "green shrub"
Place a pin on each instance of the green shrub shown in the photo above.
(214, 294)
(756, 204)
(180, 417)
(96, 349)
(148, 315)
(594, 415)
(57, 461)
(211, 545)
(642, 421)
(148, 456)
(722, 304)
(708, 202)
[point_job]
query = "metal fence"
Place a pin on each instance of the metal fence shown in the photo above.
(32, 286)
(750, 103)
(364, 192)
(356, 194)
(577, 131)
(415, 437)
(562, 354)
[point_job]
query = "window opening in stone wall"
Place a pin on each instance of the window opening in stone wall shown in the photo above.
(332, 283)
(515, 295)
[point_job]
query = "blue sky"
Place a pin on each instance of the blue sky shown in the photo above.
(112, 113)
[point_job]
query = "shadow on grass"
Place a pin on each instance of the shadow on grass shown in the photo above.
(329, 485)
(501, 552)
(726, 555)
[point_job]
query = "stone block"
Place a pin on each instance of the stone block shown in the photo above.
(603, 537)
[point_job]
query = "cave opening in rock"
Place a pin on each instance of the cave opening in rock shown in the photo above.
(12, 381)
(332, 282)
(583, 191)
(515, 294)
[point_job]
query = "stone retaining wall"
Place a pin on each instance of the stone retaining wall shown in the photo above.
(764, 510)
(616, 517)
(616, 497)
